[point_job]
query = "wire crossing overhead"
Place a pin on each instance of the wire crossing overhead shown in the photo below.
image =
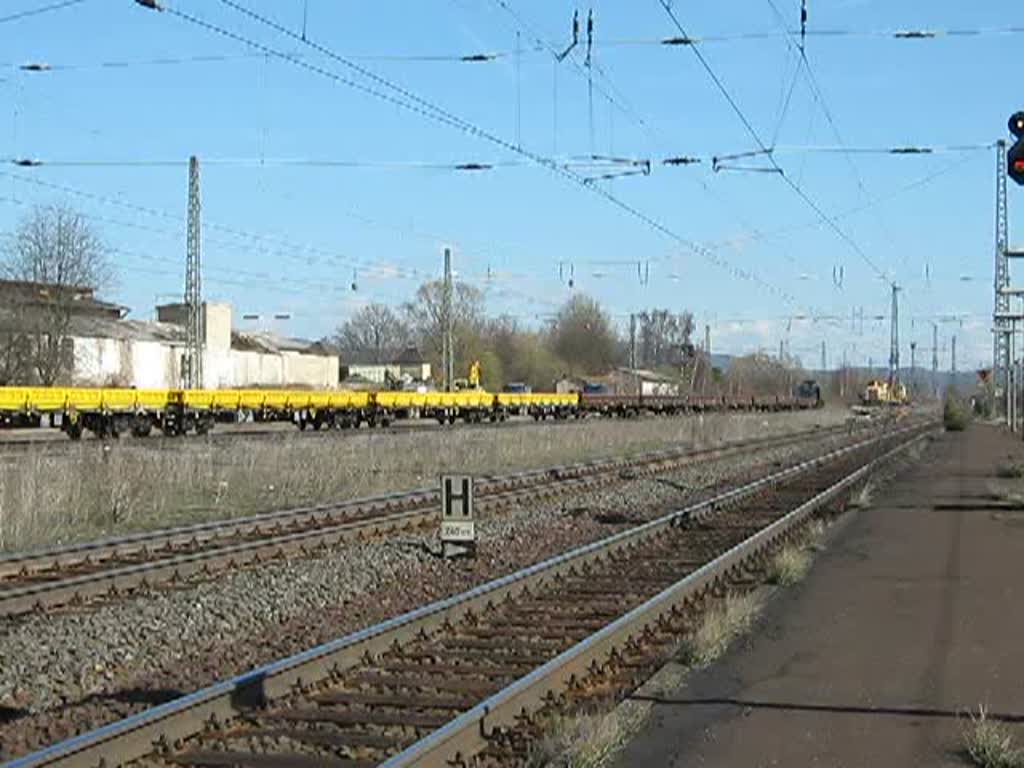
(406, 99)
(667, 5)
(304, 253)
(594, 166)
(537, 47)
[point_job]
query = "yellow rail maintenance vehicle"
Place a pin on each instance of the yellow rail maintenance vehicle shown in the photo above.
(879, 392)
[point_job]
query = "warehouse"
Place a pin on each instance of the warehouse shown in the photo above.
(149, 353)
(101, 347)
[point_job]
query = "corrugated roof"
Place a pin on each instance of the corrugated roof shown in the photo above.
(271, 343)
(135, 330)
(103, 327)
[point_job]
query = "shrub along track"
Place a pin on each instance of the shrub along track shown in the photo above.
(496, 654)
(73, 575)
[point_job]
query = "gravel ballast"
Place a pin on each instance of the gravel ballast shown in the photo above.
(67, 672)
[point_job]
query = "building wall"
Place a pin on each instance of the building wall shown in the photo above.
(378, 372)
(374, 373)
(217, 326)
(253, 368)
(215, 318)
(316, 371)
(157, 365)
(142, 364)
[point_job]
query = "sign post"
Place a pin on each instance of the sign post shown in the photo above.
(458, 527)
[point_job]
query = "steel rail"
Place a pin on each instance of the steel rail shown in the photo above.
(93, 552)
(467, 734)
(15, 445)
(167, 725)
(382, 518)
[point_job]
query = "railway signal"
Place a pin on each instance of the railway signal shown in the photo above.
(1015, 157)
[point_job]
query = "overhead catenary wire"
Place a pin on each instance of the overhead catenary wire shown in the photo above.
(537, 47)
(590, 179)
(491, 55)
(209, 225)
(37, 11)
(800, 50)
(786, 102)
(718, 161)
(624, 107)
(242, 278)
(761, 145)
(45, 66)
(903, 34)
(306, 254)
(609, 91)
(412, 102)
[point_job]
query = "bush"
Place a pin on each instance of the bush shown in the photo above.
(1010, 470)
(989, 745)
(954, 417)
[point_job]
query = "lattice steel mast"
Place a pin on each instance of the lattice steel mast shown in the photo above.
(193, 285)
(1001, 326)
(894, 339)
(447, 321)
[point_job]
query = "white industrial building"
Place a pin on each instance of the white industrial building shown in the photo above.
(100, 347)
(149, 354)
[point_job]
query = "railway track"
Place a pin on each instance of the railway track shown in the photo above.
(58, 443)
(465, 679)
(75, 574)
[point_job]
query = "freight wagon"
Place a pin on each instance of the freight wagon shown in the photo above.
(110, 412)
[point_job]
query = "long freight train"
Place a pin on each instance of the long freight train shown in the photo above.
(113, 412)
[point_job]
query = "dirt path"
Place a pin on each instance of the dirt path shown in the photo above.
(913, 616)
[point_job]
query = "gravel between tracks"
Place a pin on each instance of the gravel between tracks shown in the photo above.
(69, 672)
(88, 492)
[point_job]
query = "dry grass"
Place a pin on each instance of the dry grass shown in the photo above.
(789, 565)
(589, 740)
(593, 740)
(721, 625)
(863, 497)
(988, 743)
(85, 492)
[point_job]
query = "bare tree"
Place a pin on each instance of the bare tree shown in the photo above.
(424, 315)
(58, 251)
(762, 374)
(664, 338)
(374, 333)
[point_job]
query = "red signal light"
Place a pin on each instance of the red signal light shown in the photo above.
(1015, 162)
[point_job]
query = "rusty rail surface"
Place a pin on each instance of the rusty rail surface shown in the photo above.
(436, 685)
(73, 574)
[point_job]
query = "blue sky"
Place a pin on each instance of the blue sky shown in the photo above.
(283, 237)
